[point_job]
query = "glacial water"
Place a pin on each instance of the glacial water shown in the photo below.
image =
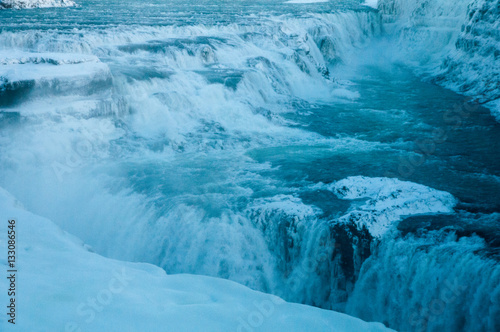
(205, 137)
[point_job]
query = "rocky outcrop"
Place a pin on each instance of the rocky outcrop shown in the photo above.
(20, 4)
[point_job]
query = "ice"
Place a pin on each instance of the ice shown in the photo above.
(452, 43)
(27, 76)
(82, 290)
(19, 4)
(387, 200)
(189, 140)
(29, 66)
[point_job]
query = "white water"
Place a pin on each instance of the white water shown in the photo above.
(94, 293)
(440, 280)
(453, 43)
(168, 181)
(194, 146)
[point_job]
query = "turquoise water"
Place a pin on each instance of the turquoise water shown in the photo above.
(201, 137)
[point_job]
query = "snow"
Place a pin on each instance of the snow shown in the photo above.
(37, 77)
(19, 4)
(14, 57)
(388, 200)
(21, 66)
(63, 286)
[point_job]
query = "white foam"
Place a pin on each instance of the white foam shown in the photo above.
(405, 278)
(371, 3)
(494, 106)
(58, 270)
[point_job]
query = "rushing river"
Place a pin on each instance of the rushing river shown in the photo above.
(210, 138)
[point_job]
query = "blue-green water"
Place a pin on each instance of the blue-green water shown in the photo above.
(202, 138)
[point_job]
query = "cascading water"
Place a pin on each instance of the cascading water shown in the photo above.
(151, 126)
(464, 33)
(429, 282)
(261, 142)
(440, 273)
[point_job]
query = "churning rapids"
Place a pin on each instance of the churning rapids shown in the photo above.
(331, 153)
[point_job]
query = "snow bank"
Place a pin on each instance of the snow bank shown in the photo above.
(26, 75)
(21, 66)
(19, 4)
(388, 200)
(63, 286)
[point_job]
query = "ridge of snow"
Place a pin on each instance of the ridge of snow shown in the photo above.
(387, 200)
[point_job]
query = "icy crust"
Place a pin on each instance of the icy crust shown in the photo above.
(19, 66)
(473, 68)
(20, 4)
(82, 291)
(26, 75)
(410, 13)
(423, 31)
(387, 201)
(18, 57)
(465, 33)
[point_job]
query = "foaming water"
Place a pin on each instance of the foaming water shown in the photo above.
(461, 295)
(154, 166)
(209, 138)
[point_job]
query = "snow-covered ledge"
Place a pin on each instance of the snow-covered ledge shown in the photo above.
(19, 4)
